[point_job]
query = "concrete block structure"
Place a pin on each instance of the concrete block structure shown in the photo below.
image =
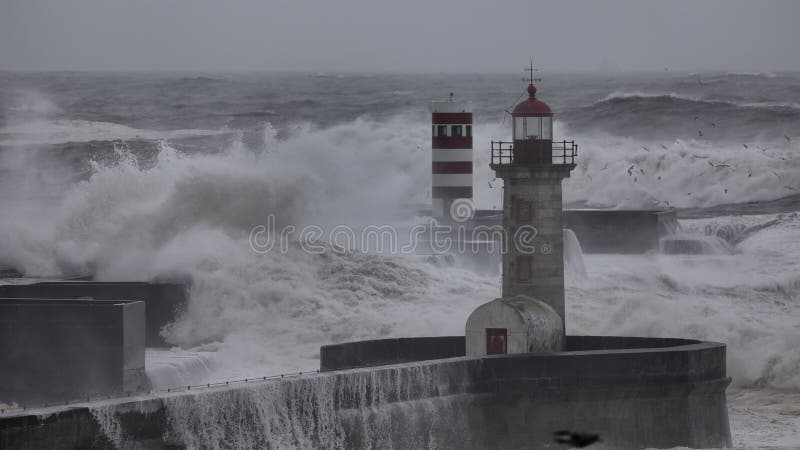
(59, 350)
(621, 231)
(517, 324)
(164, 301)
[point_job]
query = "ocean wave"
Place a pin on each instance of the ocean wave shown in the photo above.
(52, 132)
(672, 96)
(189, 216)
(667, 115)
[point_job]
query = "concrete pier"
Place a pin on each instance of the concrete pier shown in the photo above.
(634, 392)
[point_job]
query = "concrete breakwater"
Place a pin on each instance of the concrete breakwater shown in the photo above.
(634, 392)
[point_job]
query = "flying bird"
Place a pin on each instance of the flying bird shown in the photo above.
(575, 439)
(700, 132)
(630, 170)
(664, 146)
(787, 138)
(789, 188)
(645, 148)
(713, 124)
(605, 167)
(745, 146)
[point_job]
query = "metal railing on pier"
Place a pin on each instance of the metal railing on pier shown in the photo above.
(5, 410)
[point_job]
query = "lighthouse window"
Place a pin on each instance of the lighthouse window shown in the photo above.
(533, 127)
(523, 269)
(469, 131)
(441, 130)
(523, 208)
(547, 128)
(455, 130)
(519, 128)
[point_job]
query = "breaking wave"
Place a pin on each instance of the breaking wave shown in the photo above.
(188, 217)
(665, 115)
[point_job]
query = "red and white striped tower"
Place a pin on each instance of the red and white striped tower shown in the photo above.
(452, 154)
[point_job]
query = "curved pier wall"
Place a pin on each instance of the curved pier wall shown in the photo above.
(634, 398)
(381, 352)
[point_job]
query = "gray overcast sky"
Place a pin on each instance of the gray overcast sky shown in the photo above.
(402, 35)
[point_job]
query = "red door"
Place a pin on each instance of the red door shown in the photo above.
(496, 341)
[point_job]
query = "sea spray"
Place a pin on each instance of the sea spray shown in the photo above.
(398, 407)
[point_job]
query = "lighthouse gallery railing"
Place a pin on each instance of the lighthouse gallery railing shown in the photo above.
(563, 152)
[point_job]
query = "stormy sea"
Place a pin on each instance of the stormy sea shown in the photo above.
(162, 176)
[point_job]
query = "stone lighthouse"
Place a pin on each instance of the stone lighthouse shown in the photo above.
(532, 167)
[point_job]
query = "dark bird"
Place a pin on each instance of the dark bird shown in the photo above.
(726, 191)
(763, 149)
(634, 179)
(664, 146)
(659, 178)
(713, 124)
(789, 188)
(787, 138)
(641, 170)
(575, 439)
(700, 132)
(688, 193)
(605, 167)
(749, 175)
(745, 146)
(630, 170)
(696, 117)
(645, 148)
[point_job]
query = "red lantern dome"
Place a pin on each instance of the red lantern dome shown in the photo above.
(532, 106)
